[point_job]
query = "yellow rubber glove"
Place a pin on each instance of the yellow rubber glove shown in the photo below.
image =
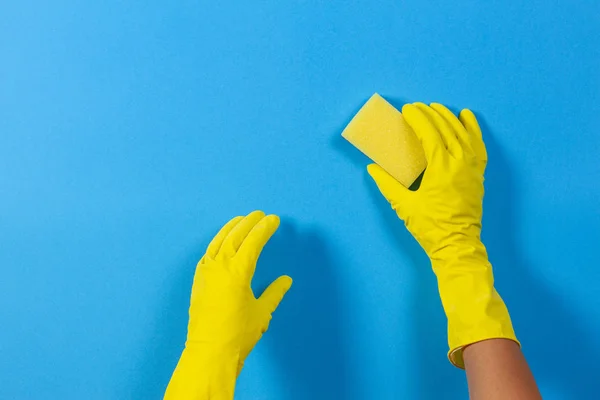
(226, 320)
(444, 215)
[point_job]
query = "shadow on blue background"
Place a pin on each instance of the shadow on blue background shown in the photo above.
(309, 345)
(556, 343)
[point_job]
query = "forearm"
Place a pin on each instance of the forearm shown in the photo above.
(204, 374)
(497, 370)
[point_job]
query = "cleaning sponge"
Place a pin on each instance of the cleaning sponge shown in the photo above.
(382, 134)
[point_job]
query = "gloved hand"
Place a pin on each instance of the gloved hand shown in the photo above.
(226, 320)
(444, 216)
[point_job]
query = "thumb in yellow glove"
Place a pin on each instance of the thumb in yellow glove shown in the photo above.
(444, 216)
(226, 320)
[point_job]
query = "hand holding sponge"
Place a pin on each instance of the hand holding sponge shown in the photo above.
(444, 214)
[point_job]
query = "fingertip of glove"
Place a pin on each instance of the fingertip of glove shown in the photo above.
(256, 214)
(288, 281)
(466, 113)
(438, 106)
(376, 172)
(407, 108)
(284, 283)
(273, 219)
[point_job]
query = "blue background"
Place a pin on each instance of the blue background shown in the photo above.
(130, 131)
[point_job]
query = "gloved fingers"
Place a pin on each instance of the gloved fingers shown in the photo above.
(236, 236)
(469, 121)
(445, 130)
(217, 241)
(429, 136)
(253, 244)
(461, 133)
(394, 192)
(273, 295)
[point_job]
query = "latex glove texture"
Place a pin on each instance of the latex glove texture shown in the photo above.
(226, 319)
(444, 215)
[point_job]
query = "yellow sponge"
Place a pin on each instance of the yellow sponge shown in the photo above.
(382, 134)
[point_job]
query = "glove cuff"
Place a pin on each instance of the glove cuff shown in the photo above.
(493, 323)
(474, 309)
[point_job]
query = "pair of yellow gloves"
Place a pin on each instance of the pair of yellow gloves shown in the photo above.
(444, 215)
